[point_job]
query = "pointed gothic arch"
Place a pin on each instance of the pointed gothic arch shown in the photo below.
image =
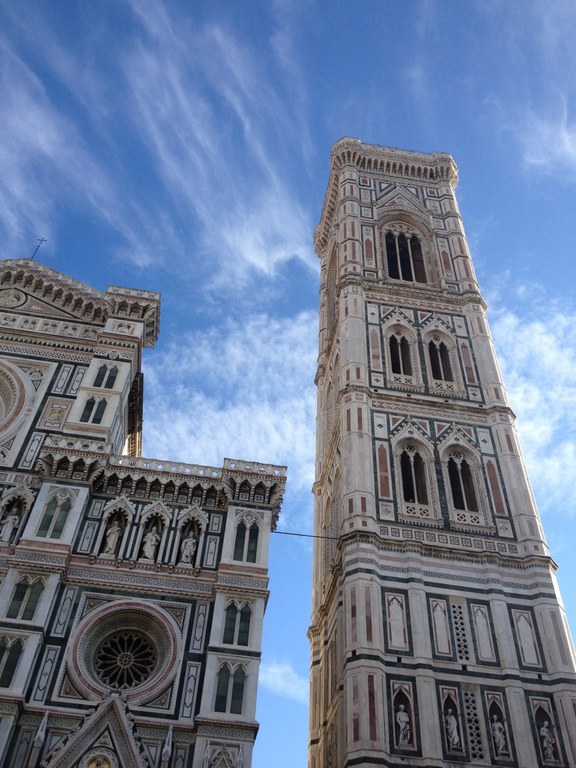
(10, 651)
(246, 546)
(14, 508)
(117, 517)
(415, 475)
(152, 534)
(191, 532)
(408, 245)
(442, 361)
(25, 597)
(401, 354)
(466, 494)
(230, 685)
(237, 620)
(55, 514)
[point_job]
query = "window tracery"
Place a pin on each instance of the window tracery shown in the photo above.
(462, 484)
(442, 361)
(440, 365)
(417, 490)
(401, 356)
(10, 652)
(230, 689)
(106, 376)
(128, 646)
(93, 412)
(404, 257)
(246, 542)
(125, 659)
(25, 599)
(467, 504)
(54, 516)
(237, 625)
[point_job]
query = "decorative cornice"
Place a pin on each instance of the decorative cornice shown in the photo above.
(80, 300)
(443, 552)
(222, 729)
(417, 167)
(138, 580)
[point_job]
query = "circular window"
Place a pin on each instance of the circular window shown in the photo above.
(11, 397)
(125, 647)
(125, 659)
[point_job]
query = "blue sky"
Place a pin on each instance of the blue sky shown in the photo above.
(183, 146)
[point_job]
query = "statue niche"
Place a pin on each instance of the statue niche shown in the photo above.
(151, 539)
(113, 535)
(189, 544)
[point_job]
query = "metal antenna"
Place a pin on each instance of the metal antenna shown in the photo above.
(41, 241)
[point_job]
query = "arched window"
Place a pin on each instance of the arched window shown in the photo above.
(400, 359)
(415, 481)
(93, 411)
(111, 378)
(462, 484)
(54, 517)
(100, 376)
(246, 542)
(25, 599)
(126, 486)
(87, 412)
(99, 412)
(244, 492)
(222, 685)
(63, 467)
(238, 681)
(252, 544)
(404, 257)
(237, 625)
(413, 476)
(440, 360)
(240, 541)
(10, 651)
(230, 690)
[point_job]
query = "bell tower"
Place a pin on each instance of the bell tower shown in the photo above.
(438, 635)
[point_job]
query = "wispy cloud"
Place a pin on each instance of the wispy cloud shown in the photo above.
(242, 390)
(34, 143)
(537, 352)
(539, 72)
(181, 153)
(218, 128)
(49, 168)
(283, 680)
(549, 142)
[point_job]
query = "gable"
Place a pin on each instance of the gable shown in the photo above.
(107, 732)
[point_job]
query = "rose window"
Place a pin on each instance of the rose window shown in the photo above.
(125, 659)
(124, 646)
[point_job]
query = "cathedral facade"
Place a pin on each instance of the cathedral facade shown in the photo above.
(132, 590)
(438, 636)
